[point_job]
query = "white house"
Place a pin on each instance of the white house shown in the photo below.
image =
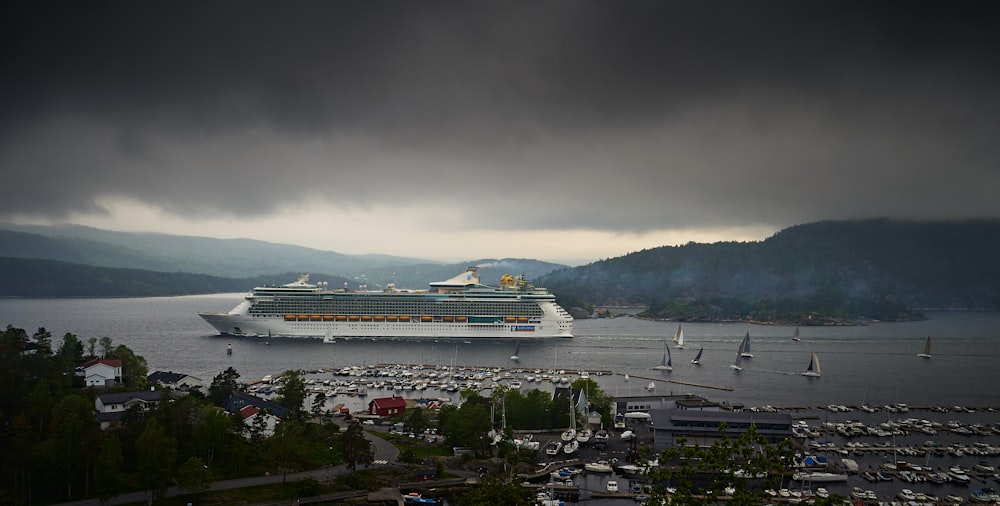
(101, 372)
(111, 407)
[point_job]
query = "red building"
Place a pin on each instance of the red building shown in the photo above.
(387, 406)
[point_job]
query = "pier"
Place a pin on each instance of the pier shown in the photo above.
(687, 383)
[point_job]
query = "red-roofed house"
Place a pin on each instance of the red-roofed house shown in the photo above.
(251, 413)
(101, 372)
(387, 406)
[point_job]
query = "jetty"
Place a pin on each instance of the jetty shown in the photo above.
(687, 383)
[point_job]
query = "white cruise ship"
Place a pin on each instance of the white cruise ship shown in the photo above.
(458, 307)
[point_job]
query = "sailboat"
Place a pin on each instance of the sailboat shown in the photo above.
(570, 433)
(651, 385)
(667, 363)
(626, 377)
(927, 349)
(570, 447)
(679, 337)
(517, 350)
(739, 357)
(813, 370)
(745, 351)
(697, 358)
(795, 335)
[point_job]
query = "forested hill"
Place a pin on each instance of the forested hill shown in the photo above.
(813, 273)
(21, 277)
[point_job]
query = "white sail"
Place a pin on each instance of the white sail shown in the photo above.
(679, 337)
(795, 335)
(813, 370)
(517, 350)
(927, 349)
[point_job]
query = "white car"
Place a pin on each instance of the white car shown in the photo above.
(612, 486)
(628, 435)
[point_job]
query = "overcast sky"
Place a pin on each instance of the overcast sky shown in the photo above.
(563, 131)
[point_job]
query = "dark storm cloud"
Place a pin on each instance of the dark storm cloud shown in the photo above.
(618, 115)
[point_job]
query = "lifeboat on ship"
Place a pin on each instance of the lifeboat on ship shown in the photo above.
(460, 318)
(426, 318)
(378, 318)
(366, 318)
(328, 317)
(341, 318)
(289, 317)
(354, 317)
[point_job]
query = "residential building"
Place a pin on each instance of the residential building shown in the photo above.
(238, 400)
(101, 372)
(387, 406)
(111, 407)
(174, 380)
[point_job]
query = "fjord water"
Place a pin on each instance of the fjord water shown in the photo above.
(875, 363)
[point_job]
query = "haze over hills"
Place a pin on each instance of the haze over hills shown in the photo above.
(814, 273)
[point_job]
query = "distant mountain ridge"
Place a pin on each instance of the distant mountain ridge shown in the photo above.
(817, 273)
(204, 265)
(175, 253)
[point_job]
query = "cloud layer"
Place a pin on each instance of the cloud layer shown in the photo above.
(522, 116)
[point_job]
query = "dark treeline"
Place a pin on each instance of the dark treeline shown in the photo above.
(57, 451)
(816, 273)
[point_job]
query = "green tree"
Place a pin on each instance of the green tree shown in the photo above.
(318, 403)
(109, 475)
(212, 436)
(355, 447)
(416, 420)
(71, 350)
(293, 393)
(194, 476)
(91, 347)
(40, 403)
(107, 346)
(71, 422)
(43, 341)
(223, 384)
(134, 367)
(494, 486)
(156, 454)
(286, 446)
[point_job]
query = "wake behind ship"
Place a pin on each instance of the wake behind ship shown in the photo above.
(458, 307)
